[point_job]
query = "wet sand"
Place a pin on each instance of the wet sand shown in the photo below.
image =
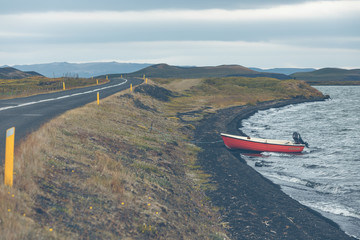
(252, 206)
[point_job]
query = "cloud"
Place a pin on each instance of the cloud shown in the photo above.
(21, 6)
(200, 53)
(307, 10)
(251, 36)
(323, 18)
(12, 35)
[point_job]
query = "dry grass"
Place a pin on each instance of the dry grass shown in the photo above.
(16, 209)
(11, 88)
(124, 170)
(108, 172)
(216, 93)
(180, 85)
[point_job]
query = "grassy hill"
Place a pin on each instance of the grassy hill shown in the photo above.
(286, 71)
(330, 76)
(167, 71)
(13, 73)
(84, 70)
(122, 170)
(216, 93)
(127, 168)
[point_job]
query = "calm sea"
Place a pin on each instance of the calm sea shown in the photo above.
(326, 176)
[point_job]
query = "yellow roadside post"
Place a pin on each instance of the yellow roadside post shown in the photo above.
(144, 76)
(63, 85)
(107, 78)
(146, 80)
(97, 82)
(9, 157)
(130, 87)
(98, 98)
(121, 76)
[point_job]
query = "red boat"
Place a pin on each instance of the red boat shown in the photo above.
(262, 145)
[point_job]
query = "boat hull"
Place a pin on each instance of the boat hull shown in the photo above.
(243, 143)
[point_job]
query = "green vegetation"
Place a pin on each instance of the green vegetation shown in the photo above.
(261, 88)
(112, 171)
(13, 73)
(167, 71)
(125, 169)
(10, 88)
(330, 76)
(210, 94)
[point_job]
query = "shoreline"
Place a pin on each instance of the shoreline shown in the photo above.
(252, 206)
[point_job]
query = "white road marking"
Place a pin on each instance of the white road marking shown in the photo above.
(31, 115)
(62, 97)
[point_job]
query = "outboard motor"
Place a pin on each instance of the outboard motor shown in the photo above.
(298, 140)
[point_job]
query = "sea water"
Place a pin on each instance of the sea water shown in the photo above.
(326, 176)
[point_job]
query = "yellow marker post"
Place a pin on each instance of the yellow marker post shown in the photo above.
(107, 78)
(130, 87)
(146, 80)
(121, 76)
(9, 157)
(63, 85)
(97, 82)
(98, 98)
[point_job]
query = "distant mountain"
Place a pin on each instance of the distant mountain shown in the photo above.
(286, 71)
(13, 73)
(167, 71)
(61, 69)
(330, 75)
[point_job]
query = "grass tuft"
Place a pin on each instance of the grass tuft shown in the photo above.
(10, 88)
(126, 169)
(116, 170)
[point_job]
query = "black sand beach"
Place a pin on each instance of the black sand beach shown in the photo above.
(252, 206)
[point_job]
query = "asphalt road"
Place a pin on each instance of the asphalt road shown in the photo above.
(28, 114)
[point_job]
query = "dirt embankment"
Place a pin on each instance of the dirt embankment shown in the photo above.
(253, 206)
(122, 169)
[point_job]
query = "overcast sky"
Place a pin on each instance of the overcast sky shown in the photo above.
(252, 33)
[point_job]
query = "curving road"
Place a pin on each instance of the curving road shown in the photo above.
(29, 113)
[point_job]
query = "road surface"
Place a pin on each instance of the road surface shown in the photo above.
(29, 113)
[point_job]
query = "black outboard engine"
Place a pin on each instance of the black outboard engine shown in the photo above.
(298, 140)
